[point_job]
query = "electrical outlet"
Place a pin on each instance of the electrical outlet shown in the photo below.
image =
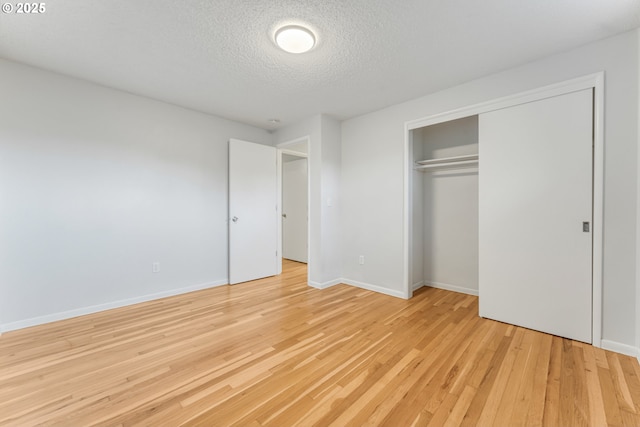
(155, 267)
(361, 260)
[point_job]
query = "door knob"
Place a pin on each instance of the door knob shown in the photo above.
(234, 219)
(284, 215)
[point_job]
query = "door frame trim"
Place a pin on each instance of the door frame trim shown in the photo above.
(592, 81)
(282, 149)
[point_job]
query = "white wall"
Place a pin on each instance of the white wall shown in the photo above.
(324, 135)
(331, 199)
(95, 185)
(450, 229)
(372, 171)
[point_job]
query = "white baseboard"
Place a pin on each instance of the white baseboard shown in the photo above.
(453, 288)
(629, 350)
(375, 288)
(418, 285)
(34, 321)
(324, 285)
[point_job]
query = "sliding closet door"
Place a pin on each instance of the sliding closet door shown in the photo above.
(535, 186)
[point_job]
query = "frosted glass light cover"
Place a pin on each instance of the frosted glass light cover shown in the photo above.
(295, 39)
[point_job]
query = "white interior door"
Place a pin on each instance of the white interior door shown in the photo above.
(253, 218)
(535, 186)
(294, 210)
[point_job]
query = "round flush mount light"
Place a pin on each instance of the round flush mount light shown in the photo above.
(295, 39)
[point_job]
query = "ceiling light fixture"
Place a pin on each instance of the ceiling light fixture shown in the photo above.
(295, 39)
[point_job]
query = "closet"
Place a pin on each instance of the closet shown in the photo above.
(502, 207)
(446, 205)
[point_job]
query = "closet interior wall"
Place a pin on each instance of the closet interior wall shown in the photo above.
(445, 208)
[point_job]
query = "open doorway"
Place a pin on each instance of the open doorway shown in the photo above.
(294, 201)
(294, 208)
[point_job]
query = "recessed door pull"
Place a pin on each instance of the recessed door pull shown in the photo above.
(585, 226)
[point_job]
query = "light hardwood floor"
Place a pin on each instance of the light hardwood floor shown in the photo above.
(276, 352)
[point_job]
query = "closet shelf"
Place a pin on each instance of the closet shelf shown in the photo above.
(447, 162)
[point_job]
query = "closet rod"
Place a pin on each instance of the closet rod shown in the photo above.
(448, 159)
(452, 165)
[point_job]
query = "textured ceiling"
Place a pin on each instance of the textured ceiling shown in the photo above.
(218, 56)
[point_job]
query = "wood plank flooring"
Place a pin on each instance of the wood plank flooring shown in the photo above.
(276, 352)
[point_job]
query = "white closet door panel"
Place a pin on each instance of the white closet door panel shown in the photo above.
(253, 219)
(535, 187)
